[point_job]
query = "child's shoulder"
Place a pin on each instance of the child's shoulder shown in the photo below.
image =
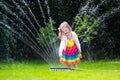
(73, 32)
(63, 37)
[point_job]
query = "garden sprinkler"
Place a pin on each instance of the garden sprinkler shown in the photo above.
(60, 68)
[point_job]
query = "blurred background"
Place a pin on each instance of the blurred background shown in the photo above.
(96, 22)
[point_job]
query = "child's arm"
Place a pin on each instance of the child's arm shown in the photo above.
(77, 41)
(62, 45)
(59, 34)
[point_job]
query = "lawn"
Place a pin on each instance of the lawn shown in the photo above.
(39, 70)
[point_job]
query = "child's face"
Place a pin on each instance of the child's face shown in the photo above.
(65, 29)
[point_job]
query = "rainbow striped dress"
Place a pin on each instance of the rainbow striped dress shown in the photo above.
(71, 54)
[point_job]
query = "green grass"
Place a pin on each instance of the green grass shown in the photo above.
(37, 70)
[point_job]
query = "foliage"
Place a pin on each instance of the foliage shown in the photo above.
(105, 43)
(7, 41)
(86, 27)
(106, 39)
(47, 36)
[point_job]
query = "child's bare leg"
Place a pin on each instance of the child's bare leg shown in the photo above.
(75, 66)
(68, 67)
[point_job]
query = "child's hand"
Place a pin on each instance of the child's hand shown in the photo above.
(58, 29)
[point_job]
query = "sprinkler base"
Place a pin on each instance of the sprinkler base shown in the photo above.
(56, 69)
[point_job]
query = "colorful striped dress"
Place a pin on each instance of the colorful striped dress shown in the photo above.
(71, 54)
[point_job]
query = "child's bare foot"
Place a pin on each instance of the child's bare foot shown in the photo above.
(75, 66)
(68, 67)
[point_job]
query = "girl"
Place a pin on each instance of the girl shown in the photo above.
(69, 50)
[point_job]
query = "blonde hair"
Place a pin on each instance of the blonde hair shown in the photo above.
(60, 34)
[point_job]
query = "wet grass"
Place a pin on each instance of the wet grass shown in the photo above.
(39, 70)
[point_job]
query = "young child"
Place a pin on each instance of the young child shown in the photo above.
(70, 49)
